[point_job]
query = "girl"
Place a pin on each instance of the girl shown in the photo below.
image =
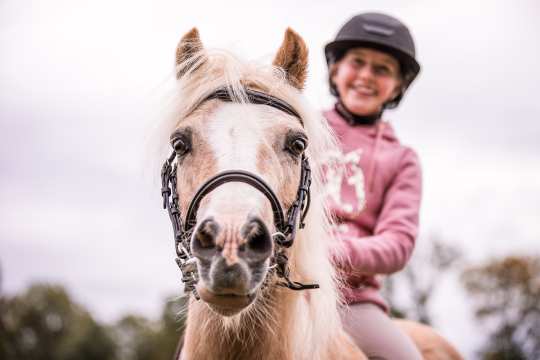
(371, 63)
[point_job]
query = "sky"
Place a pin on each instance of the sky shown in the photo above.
(83, 83)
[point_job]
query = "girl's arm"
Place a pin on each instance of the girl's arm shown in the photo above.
(392, 243)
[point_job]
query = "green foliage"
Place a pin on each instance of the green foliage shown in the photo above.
(44, 323)
(141, 339)
(506, 293)
(503, 347)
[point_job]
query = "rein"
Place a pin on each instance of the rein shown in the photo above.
(285, 225)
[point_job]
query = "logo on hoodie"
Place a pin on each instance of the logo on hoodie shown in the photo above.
(345, 182)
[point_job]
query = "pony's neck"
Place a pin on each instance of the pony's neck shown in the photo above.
(267, 333)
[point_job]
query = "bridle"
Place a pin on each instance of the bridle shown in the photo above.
(285, 225)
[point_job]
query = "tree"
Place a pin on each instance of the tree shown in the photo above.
(506, 293)
(173, 318)
(43, 323)
(141, 339)
(420, 279)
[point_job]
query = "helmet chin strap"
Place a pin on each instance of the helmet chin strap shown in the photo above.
(354, 119)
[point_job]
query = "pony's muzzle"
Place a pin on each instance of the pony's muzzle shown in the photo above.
(232, 260)
(251, 241)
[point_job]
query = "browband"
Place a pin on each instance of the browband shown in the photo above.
(255, 97)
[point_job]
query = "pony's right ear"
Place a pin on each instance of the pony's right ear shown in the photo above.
(188, 53)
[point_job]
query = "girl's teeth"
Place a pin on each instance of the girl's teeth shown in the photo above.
(364, 90)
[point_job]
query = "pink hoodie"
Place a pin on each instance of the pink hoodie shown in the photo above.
(379, 237)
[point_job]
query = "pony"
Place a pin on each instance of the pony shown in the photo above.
(247, 147)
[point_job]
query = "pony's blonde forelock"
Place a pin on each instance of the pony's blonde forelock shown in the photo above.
(208, 70)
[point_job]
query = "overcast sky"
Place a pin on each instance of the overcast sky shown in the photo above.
(83, 82)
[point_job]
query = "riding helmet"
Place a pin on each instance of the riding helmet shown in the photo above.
(380, 32)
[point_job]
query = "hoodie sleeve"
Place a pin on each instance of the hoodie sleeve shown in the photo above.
(392, 242)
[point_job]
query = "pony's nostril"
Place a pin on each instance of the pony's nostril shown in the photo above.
(205, 236)
(257, 236)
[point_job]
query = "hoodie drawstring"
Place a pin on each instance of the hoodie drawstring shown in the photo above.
(372, 163)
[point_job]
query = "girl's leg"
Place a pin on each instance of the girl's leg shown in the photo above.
(375, 333)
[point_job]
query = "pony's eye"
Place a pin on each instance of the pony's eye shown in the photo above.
(181, 141)
(298, 146)
(180, 146)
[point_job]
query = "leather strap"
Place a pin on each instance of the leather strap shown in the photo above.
(234, 176)
(256, 97)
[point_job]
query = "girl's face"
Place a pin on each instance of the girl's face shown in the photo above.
(366, 79)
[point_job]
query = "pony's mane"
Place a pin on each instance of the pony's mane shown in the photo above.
(208, 70)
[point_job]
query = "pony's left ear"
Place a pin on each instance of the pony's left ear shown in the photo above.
(292, 57)
(189, 53)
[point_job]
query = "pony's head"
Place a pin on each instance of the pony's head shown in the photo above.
(250, 123)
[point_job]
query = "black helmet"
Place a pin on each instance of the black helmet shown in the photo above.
(380, 32)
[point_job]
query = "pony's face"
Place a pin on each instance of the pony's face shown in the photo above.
(232, 239)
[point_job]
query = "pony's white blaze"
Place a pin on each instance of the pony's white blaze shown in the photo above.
(232, 129)
(231, 132)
